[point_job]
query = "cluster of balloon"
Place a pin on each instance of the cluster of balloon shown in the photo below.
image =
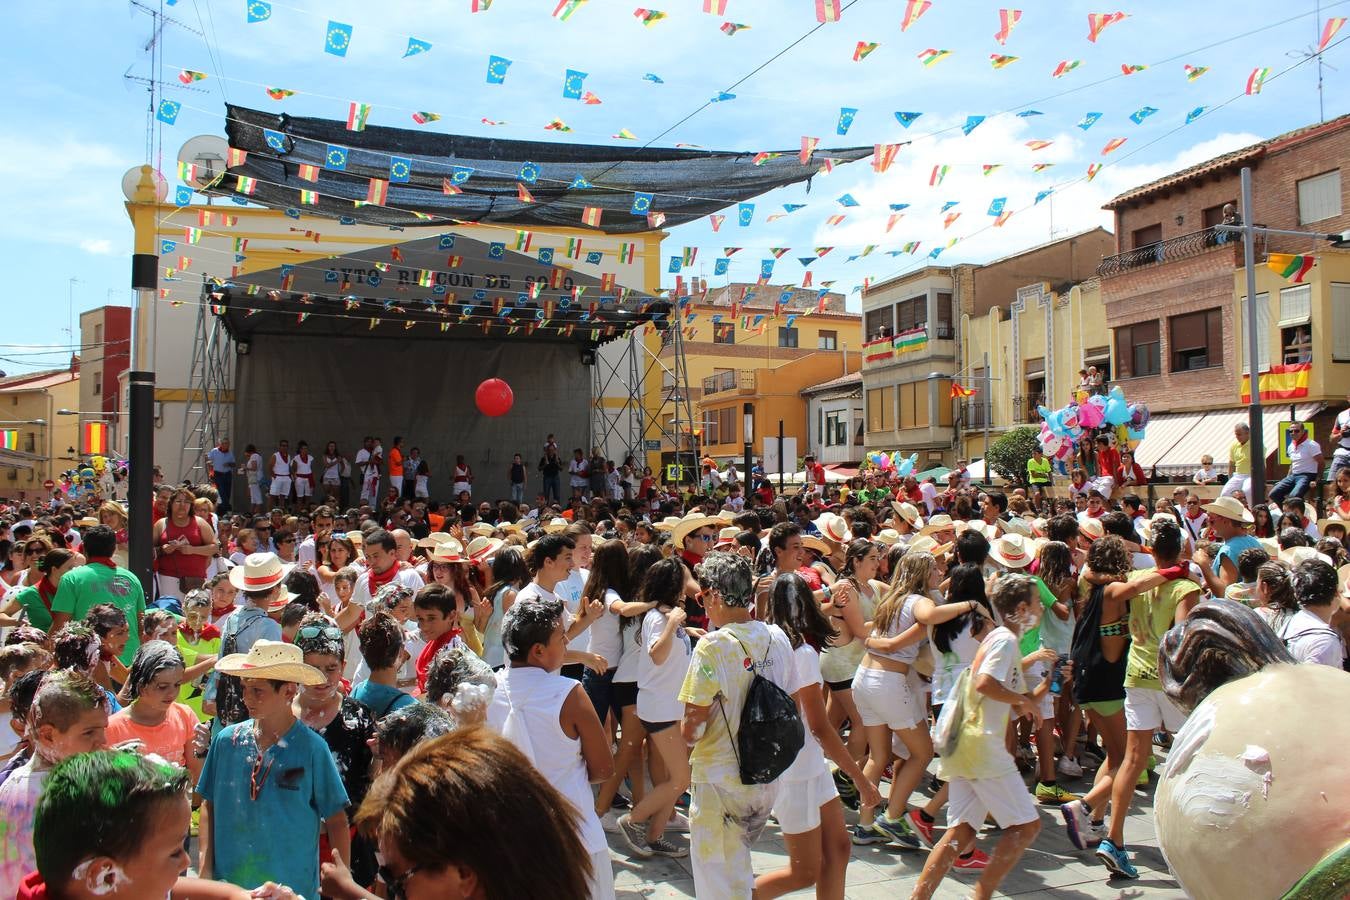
(891, 462)
(494, 397)
(1061, 428)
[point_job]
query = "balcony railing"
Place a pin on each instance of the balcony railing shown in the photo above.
(1180, 247)
(729, 381)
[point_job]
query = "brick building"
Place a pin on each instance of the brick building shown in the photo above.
(1173, 291)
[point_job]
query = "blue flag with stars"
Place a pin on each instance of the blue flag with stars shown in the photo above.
(480, 295)
(338, 39)
(996, 206)
(460, 174)
(745, 213)
(594, 257)
(766, 268)
(948, 205)
(1041, 195)
(346, 220)
(972, 122)
(374, 279)
(496, 69)
(846, 115)
(1088, 120)
(806, 260)
(259, 11)
(529, 172)
(722, 265)
(793, 207)
(496, 250)
(642, 203)
(1142, 113)
(330, 277)
(676, 263)
(400, 169)
(1028, 113)
(907, 118)
(654, 79)
(847, 200)
(897, 207)
(291, 212)
(167, 112)
(573, 82)
(166, 247)
(447, 242)
(1195, 114)
(275, 140)
(546, 255)
(335, 158)
(578, 183)
(182, 195)
(415, 47)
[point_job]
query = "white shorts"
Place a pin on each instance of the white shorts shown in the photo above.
(255, 494)
(303, 488)
(462, 487)
(601, 885)
(396, 482)
(1034, 676)
(1237, 483)
(1149, 710)
(884, 698)
(281, 486)
(1006, 798)
(799, 802)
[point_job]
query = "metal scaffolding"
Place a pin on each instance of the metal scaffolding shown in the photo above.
(210, 399)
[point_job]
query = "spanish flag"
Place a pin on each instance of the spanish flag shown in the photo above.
(95, 438)
(959, 392)
(1280, 383)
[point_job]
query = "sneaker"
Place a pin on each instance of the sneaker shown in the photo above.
(897, 831)
(663, 847)
(683, 801)
(1076, 822)
(923, 828)
(1025, 759)
(635, 836)
(610, 822)
(935, 783)
(1096, 833)
(1069, 768)
(888, 773)
(976, 861)
(1053, 793)
(1162, 739)
(679, 823)
(863, 834)
(843, 783)
(620, 802)
(1116, 859)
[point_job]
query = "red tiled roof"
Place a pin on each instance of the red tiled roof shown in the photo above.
(853, 378)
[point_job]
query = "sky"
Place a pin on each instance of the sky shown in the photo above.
(77, 122)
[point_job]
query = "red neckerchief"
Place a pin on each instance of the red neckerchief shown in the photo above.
(102, 561)
(428, 654)
(1196, 514)
(1098, 514)
(209, 632)
(378, 581)
(46, 591)
(32, 887)
(1298, 440)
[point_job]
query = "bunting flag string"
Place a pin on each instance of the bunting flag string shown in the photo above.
(1007, 21)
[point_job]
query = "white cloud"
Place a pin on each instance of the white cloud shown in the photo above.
(98, 246)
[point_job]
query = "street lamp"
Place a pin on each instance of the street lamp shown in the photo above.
(25, 422)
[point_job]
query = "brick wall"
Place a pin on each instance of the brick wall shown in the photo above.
(1274, 185)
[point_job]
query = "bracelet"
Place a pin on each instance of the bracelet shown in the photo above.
(1112, 629)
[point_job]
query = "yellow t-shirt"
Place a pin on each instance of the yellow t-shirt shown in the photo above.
(1240, 459)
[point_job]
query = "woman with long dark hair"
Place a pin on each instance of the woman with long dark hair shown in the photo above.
(36, 598)
(509, 575)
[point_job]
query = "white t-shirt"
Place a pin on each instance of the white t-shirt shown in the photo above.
(1303, 458)
(569, 592)
(604, 632)
(631, 651)
(947, 667)
(1310, 640)
(253, 468)
(1003, 661)
(408, 578)
(810, 761)
(659, 684)
(1343, 423)
(929, 492)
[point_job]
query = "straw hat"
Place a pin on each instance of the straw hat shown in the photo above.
(727, 536)
(1322, 524)
(260, 572)
(939, 522)
(273, 660)
(926, 544)
(481, 548)
(1038, 527)
(87, 522)
(1012, 551)
(555, 525)
(1229, 508)
(356, 537)
(888, 536)
(811, 542)
(1343, 577)
(511, 527)
(1271, 546)
(832, 527)
(451, 551)
(1092, 529)
(435, 539)
(909, 512)
(1292, 556)
(667, 524)
(482, 529)
(979, 526)
(689, 524)
(1018, 525)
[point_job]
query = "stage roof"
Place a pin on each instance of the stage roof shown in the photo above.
(685, 184)
(446, 285)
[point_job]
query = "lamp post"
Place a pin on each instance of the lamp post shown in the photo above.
(748, 412)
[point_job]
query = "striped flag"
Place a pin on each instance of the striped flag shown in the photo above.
(863, 49)
(930, 56)
(1329, 31)
(627, 252)
(1256, 79)
(450, 188)
(648, 17)
(1065, 67)
(883, 155)
(309, 173)
(827, 10)
(730, 28)
(591, 216)
(1038, 145)
(1130, 69)
(377, 192)
(1282, 382)
(999, 60)
(1293, 267)
(1007, 21)
(835, 220)
(523, 194)
(309, 198)
(1098, 22)
(246, 185)
(1194, 72)
(563, 11)
(95, 441)
(1113, 144)
(715, 7)
(607, 281)
(959, 392)
(279, 93)
(939, 173)
(357, 114)
(235, 157)
(913, 10)
(523, 241)
(573, 250)
(422, 118)
(1092, 170)
(188, 76)
(9, 437)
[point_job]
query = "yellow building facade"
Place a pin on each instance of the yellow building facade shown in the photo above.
(48, 442)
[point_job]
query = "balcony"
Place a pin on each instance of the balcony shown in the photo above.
(742, 380)
(911, 345)
(1181, 247)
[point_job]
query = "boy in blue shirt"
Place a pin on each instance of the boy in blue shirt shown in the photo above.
(269, 782)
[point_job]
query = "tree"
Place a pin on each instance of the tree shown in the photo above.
(1009, 454)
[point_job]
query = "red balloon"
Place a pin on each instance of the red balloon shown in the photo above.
(494, 397)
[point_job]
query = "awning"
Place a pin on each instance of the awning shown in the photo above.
(1164, 432)
(1212, 433)
(976, 472)
(937, 473)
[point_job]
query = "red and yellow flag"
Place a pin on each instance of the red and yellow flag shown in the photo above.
(95, 441)
(958, 391)
(1280, 383)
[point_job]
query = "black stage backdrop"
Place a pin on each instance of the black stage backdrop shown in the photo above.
(342, 389)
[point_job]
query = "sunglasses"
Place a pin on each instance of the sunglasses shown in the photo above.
(309, 632)
(396, 883)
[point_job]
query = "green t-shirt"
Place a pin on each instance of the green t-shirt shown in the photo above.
(83, 588)
(1038, 472)
(1152, 615)
(31, 600)
(1030, 641)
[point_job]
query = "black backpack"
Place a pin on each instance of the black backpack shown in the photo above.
(770, 733)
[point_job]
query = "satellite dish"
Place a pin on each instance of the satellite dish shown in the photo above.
(207, 154)
(133, 178)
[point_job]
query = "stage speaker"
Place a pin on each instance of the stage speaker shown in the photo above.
(144, 272)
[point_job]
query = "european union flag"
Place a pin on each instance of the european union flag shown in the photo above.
(642, 203)
(330, 277)
(480, 295)
(1028, 113)
(846, 115)
(1041, 195)
(447, 242)
(806, 260)
(654, 79)
(335, 158)
(897, 207)
(275, 140)
(460, 174)
(745, 213)
(1195, 114)
(722, 97)
(721, 266)
(529, 172)
(907, 118)
(286, 270)
(182, 195)
(338, 38)
(594, 257)
(935, 252)
(291, 212)
(168, 111)
(415, 46)
(676, 263)
(259, 11)
(996, 206)
(1139, 115)
(766, 268)
(496, 250)
(496, 70)
(1089, 119)
(239, 201)
(972, 122)
(438, 289)
(948, 205)
(167, 247)
(847, 200)
(546, 255)
(793, 207)
(346, 220)
(400, 169)
(573, 82)
(579, 182)
(374, 279)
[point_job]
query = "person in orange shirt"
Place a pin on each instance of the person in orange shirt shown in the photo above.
(396, 465)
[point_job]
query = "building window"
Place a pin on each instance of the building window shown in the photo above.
(1196, 340)
(911, 314)
(880, 409)
(1101, 358)
(1138, 350)
(879, 323)
(1296, 324)
(836, 429)
(724, 333)
(98, 334)
(1340, 322)
(98, 383)
(827, 340)
(1149, 234)
(726, 425)
(1319, 197)
(914, 405)
(30, 443)
(1214, 215)
(945, 330)
(1263, 326)
(787, 337)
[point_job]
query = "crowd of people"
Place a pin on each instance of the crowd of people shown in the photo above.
(408, 698)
